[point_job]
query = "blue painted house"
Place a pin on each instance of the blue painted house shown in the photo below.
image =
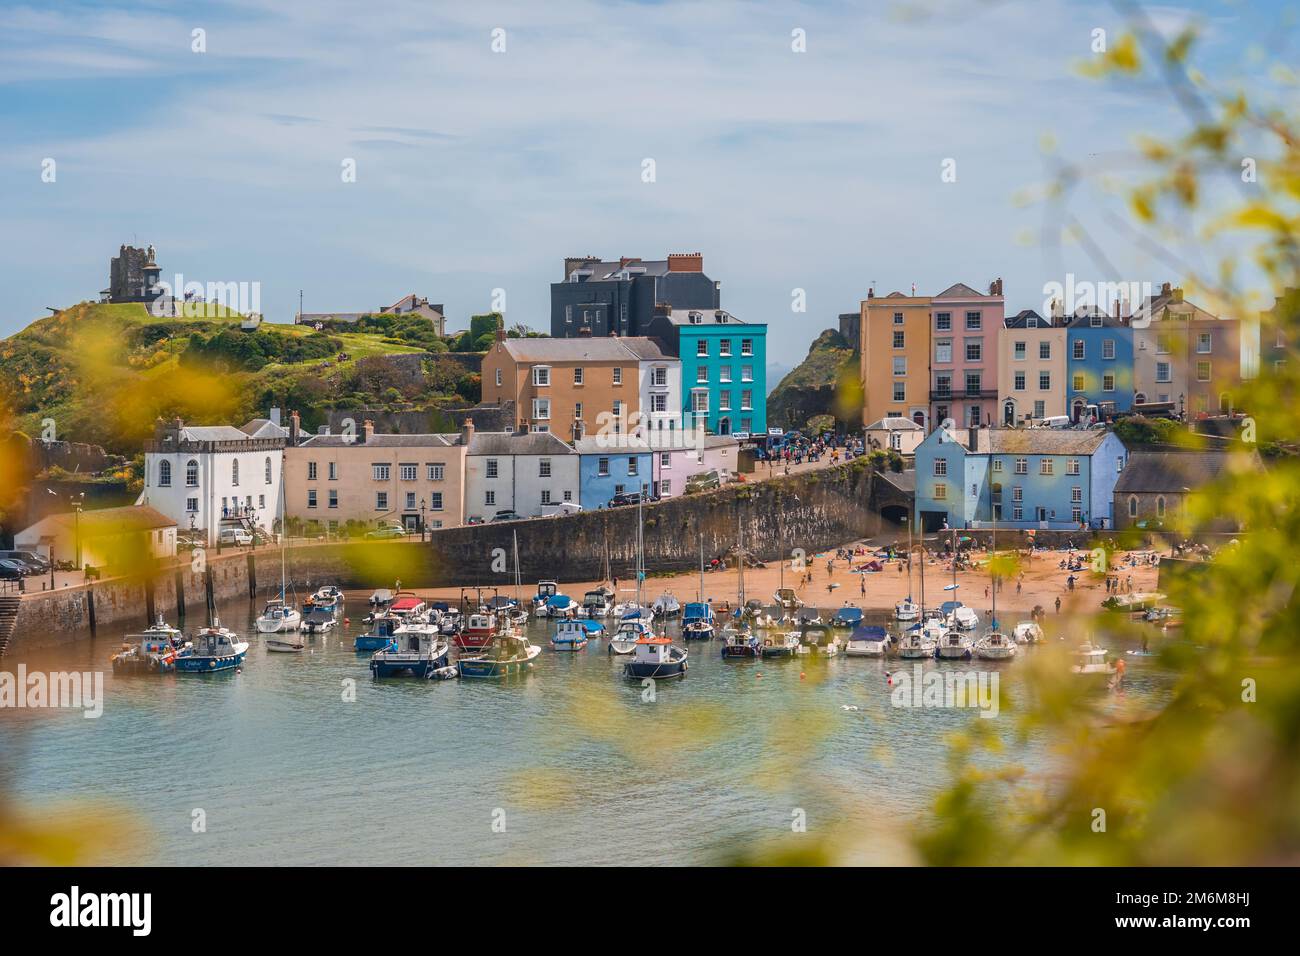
(724, 368)
(609, 466)
(1099, 362)
(1057, 479)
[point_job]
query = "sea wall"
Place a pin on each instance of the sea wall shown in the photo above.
(810, 511)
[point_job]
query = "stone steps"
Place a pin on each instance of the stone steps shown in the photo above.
(8, 619)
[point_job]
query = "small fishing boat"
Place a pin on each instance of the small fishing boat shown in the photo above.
(1091, 659)
(286, 642)
(379, 636)
(153, 651)
(405, 604)
(570, 635)
(545, 591)
(780, 645)
(481, 629)
(955, 645)
(697, 621)
(740, 643)
(907, 609)
(598, 603)
(558, 605)
(380, 599)
(508, 654)
(214, 648)
(666, 605)
(656, 658)
(449, 618)
(787, 599)
(918, 642)
(1027, 632)
(636, 612)
(628, 633)
(317, 619)
(417, 650)
(848, 616)
(819, 639)
(595, 629)
(328, 596)
(868, 640)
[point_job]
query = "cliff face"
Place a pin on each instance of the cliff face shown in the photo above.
(825, 383)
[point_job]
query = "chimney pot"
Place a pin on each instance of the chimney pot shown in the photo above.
(466, 431)
(367, 431)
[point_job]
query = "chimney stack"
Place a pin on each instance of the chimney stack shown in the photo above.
(367, 431)
(501, 332)
(871, 292)
(685, 262)
(295, 425)
(467, 431)
(1165, 288)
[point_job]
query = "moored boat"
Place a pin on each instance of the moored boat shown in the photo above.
(1091, 659)
(213, 649)
(780, 645)
(317, 619)
(153, 651)
(597, 603)
(666, 605)
(278, 616)
(545, 591)
(1027, 632)
(995, 646)
(629, 632)
(918, 641)
(697, 621)
(907, 610)
(570, 635)
(955, 645)
(508, 654)
(559, 605)
(819, 639)
(741, 643)
(787, 599)
(869, 640)
(417, 650)
(656, 658)
(481, 629)
(848, 616)
(379, 636)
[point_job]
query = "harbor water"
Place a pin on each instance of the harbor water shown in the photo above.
(305, 759)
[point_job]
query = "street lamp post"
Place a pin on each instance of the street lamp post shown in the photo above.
(422, 509)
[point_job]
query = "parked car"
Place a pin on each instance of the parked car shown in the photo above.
(507, 516)
(628, 498)
(561, 508)
(36, 562)
(237, 536)
(11, 570)
(387, 531)
(474, 519)
(704, 481)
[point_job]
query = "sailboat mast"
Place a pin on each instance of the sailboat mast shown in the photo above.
(699, 595)
(740, 561)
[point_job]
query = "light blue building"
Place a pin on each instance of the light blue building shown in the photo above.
(1099, 363)
(724, 368)
(1057, 479)
(609, 466)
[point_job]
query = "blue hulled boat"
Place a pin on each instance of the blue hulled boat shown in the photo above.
(570, 635)
(847, 616)
(214, 649)
(379, 636)
(417, 650)
(697, 621)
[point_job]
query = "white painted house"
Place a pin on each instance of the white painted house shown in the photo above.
(517, 471)
(210, 477)
(659, 384)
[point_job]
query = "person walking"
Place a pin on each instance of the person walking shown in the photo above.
(1058, 604)
(863, 581)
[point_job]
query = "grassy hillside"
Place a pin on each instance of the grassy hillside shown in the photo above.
(104, 373)
(824, 383)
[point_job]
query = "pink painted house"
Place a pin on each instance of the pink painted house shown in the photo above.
(964, 328)
(673, 466)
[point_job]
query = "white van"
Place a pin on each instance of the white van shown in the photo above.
(1054, 421)
(559, 508)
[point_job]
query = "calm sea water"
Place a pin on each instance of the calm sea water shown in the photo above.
(566, 765)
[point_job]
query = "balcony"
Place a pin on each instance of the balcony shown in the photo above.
(948, 395)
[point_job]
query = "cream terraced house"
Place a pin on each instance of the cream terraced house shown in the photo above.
(520, 472)
(416, 481)
(1031, 369)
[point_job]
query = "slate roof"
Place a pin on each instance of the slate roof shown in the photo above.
(518, 443)
(960, 291)
(212, 433)
(683, 317)
(264, 428)
(1021, 321)
(1032, 441)
(1171, 472)
(105, 521)
(382, 441)
(605, 349)
(894, 424)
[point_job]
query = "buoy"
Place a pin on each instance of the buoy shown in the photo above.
(801, 675)
(346, 621)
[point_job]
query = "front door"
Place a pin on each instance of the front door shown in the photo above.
(1009, 413)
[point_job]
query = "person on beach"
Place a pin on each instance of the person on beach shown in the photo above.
(1058, 604)
(863, 582)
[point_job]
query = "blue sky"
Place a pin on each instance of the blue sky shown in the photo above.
(479, 170)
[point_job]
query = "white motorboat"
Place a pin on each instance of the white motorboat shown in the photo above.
(1027, 632)
(869, 640)
(786, 598)
(818, 638)
(995, 646)
(781, 645)
(634, 612)
(1091, 659)
(963, 618)
(666, 605)
(597, 603)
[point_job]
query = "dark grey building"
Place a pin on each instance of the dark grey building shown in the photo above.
(132, 276)
(599, 298)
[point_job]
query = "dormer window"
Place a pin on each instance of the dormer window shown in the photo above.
(695, 318)
(1095, 321)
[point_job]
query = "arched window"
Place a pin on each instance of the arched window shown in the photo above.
(1132, 506)
(234, 472)
(1140, 398)
(164, 474)
(268, 469)
(1160, 506)
(192, 473)
(1225, 404)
